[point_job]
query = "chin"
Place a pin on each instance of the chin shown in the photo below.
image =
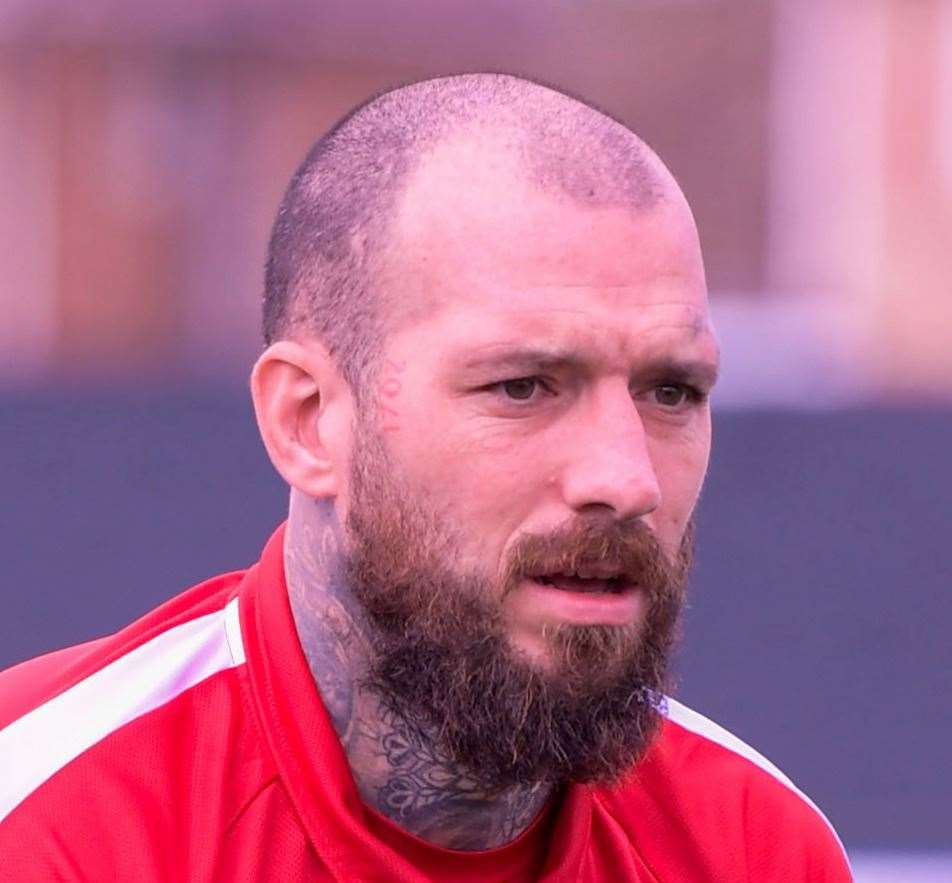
(535, 651)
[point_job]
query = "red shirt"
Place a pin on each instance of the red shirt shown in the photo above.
(193, 746)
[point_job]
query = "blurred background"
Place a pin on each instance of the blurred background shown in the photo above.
(144, 148)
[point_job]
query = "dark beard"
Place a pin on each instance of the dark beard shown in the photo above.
(443, 661)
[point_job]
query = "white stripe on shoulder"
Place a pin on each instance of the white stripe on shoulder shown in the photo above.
(44, 740)
(702, 726)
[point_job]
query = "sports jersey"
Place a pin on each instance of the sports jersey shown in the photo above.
(193, 746)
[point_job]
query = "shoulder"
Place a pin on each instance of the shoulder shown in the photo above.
(731, 811)
(35, 684)
(113, 734)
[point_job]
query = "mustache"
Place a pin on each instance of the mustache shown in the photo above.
(629, 548)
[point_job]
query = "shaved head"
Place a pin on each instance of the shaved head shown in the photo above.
(334, 226)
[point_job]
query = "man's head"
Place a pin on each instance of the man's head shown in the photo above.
(490, 350)
(334, 226)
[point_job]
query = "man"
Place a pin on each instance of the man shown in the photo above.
(486, 382)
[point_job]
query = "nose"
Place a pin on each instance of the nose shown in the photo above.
(610, 462)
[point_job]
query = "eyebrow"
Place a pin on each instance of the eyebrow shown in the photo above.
(522, 357)
(529, 359)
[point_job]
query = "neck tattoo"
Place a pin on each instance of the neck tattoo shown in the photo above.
(398, 769)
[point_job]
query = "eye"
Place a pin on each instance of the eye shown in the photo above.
(519, 389)
(675, 395)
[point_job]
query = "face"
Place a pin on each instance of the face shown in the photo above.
(521, 490)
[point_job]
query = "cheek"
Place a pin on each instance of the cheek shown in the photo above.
(487, 496)
(680, 470)
(468, 458)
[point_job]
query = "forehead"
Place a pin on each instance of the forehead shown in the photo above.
(474, 240)
(477, 193)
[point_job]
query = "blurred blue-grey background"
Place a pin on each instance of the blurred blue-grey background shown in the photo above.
(143, 151)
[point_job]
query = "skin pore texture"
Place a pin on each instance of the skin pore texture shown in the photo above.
(544, 407)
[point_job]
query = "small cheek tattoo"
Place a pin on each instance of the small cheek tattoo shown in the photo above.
(390, 387)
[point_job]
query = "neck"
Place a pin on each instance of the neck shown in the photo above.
(399, 770)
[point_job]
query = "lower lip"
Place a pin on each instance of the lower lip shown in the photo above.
(584, 608)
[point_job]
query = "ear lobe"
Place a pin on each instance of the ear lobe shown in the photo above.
(299, 402)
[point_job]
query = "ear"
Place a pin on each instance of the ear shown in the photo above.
(304, 411)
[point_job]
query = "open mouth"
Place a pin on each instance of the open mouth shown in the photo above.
(607, 585)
